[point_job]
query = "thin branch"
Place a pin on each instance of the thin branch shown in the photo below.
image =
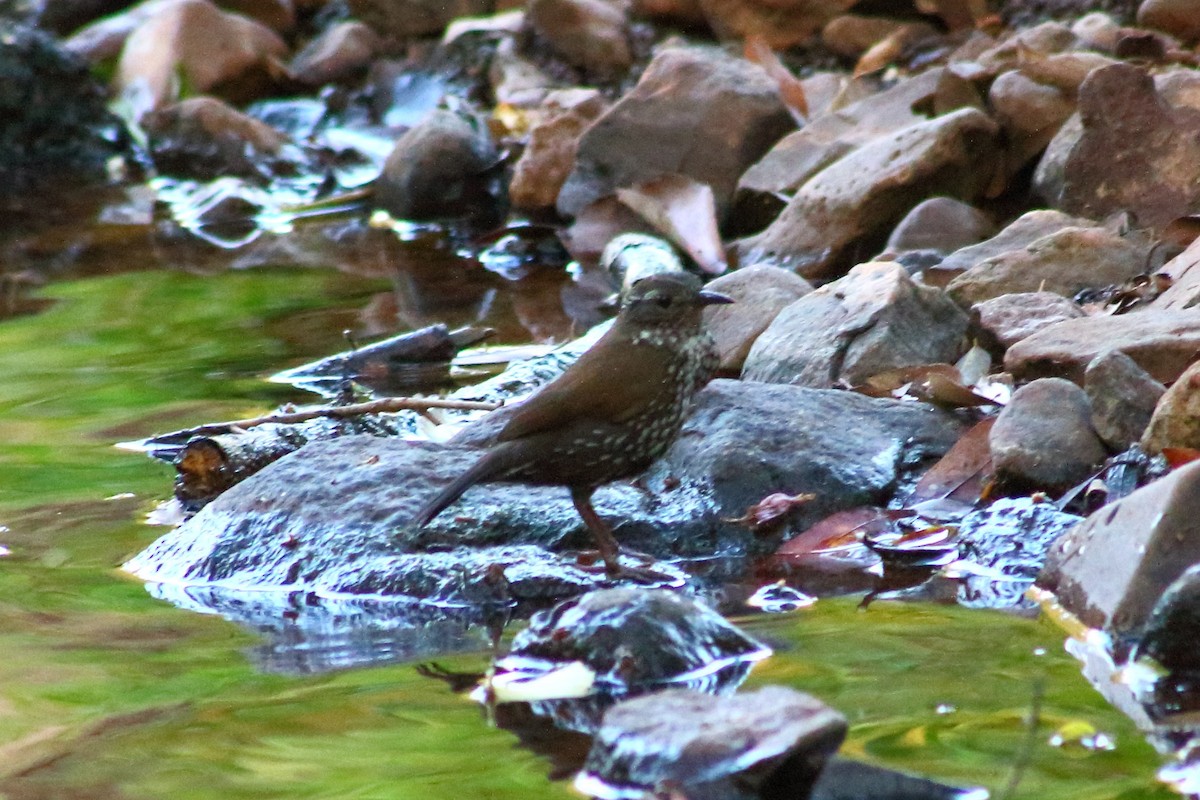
(385, 405)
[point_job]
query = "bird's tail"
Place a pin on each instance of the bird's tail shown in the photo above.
(481, 470)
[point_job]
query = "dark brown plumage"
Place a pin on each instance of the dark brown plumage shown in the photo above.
(613, 411)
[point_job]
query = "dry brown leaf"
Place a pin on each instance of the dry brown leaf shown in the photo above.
(1178, 456)
(840, 531)
(771, 511)
(791, 91)
(962, 473)
(685, 211)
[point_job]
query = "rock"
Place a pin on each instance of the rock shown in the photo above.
(630, 639)
(1111, 570)
(802, 154)
(1029, 112)
(1164, 343)
(1097, 31)
(759, 294)
(1123, 397)
(709, 747)
(1170, 633)
(686, 12)
(1176, 418)
(1050, 174)
(1179, 87)
(1017, 235)
(782, 23)
(550, 155)
(1064, 262)
(333, 517)
(1184, 273)
(515, 79)
(873, 320)
(343, 51)
(1180, 18)
(861, 196)
(278, 15)
(590, 34)
(1145, 160)
(232, 59)
(851, 35)
(696, 112)
(431, 170)
(1044, 436)
(204, 138)
(1009, 318)
(102, 40)
(56, 128)
(404, 19)
(934, 229)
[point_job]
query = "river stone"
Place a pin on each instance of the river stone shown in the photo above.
(333, 517)
(590, 34)
(403, 19)
(549, 157)
(938, 226)
(1029, 112)
(342, 51)
(851, 35)
(205, 138)
(1044, 437)
(1144, 160)
(781, 23)
(1111, 570)
(1065, 261)
(855, 201)
(1184, 272)
(433, 166)
(1180, 18)
(1009, 318)
(1164, 343)
(759, 294)
(1123, 397)
(1017, 235)
(710, 747)
(1176, 418)
(873, 320)
(1171, 632)
(725, 109)
(801, 154)
(630, 638)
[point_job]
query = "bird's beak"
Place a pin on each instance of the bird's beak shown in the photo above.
(708, 298)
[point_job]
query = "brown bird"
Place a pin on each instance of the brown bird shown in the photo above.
(612, 412)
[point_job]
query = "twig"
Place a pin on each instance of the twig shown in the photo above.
(383, 406)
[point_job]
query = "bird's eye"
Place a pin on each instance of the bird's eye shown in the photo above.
(663, 300)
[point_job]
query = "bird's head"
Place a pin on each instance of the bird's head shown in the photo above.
(667, 298)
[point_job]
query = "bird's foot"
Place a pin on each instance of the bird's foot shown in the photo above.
(593, 561)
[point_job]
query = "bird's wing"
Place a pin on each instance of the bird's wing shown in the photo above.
(599, 386)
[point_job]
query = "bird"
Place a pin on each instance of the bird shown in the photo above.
(611, 413)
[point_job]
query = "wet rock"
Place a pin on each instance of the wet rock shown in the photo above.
(233, 59)
(1029, 112)
(856, 200)
(826, 138)
(782, 23)
(515, 79)
(629, 639)
(435, 166)
(1016, 236)
(712, 747)
(333, 517)
(550, 155)
(342, 51)
(204, 138)
(408, 18)
(55, 127)
(696, 112)
(1180, 18)
(590, 34)
(1184, 273)
(1123, 397)
(1164, 343)
(1064, 262)
(874, 319)
(1145, 160)
(1111, 570)
(1044, 436)
(1173, 627)
(934, 229)
(62, 18)
(1097, 31)
(1011, 536)
(759, 294)
(1176, 418)
(1009, 318)
(851, 35)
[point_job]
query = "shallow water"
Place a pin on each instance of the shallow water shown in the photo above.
(107, 692)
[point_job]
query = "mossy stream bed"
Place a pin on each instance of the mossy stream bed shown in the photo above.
(106, 692)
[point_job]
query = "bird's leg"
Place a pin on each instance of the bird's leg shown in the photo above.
(606, 543)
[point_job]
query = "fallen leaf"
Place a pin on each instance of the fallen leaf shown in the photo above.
(1178, 456)
(843, 530)
(685, 211)
(771, 511)
(791, 91)
(962, 473)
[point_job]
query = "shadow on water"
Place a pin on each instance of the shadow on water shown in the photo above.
(125, 327)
